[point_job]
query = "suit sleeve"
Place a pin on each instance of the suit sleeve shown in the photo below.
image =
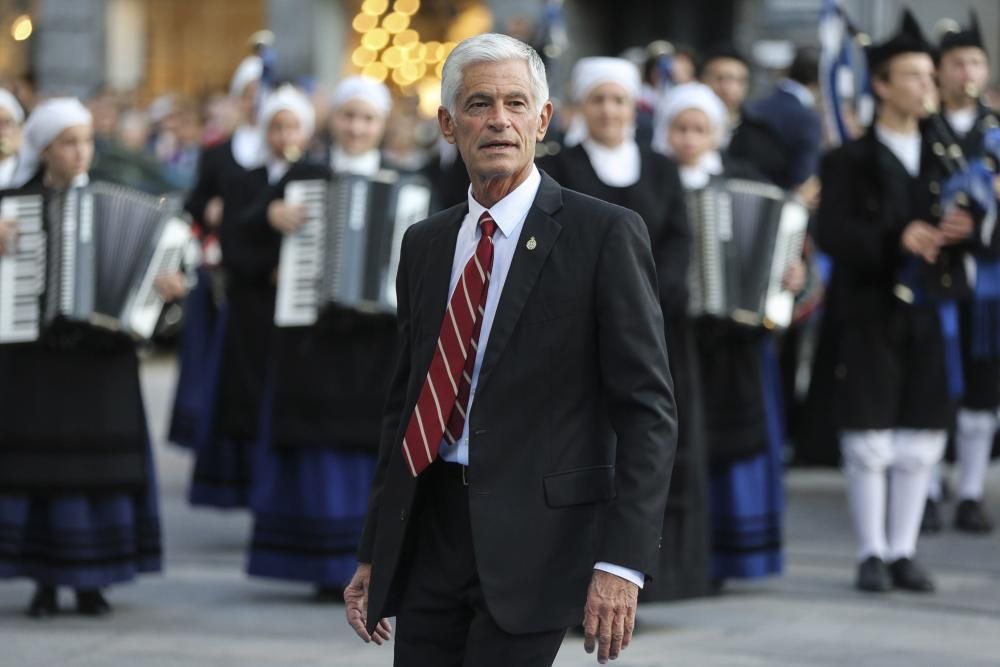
(844, 229)
(392, 414)
(639, 393)
(803, 149)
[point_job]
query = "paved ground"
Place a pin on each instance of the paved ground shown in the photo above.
(205, 612)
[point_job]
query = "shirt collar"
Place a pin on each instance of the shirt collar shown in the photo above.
(512, 209)
(800, 92)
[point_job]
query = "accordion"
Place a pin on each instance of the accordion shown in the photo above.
(96, 262)
(746, 236)
(347, 250)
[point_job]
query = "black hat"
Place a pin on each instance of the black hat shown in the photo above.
(728, 51)
(953, 36)
(908, 39)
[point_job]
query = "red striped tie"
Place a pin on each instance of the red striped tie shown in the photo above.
(444, 398)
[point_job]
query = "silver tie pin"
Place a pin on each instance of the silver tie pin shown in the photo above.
(531, 244)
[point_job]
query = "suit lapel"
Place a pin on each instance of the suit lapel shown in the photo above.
(525, 267)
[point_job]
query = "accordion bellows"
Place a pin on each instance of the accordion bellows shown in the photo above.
(746, 236)
(347, 251)
(96, 261)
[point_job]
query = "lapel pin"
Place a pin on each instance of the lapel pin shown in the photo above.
(531, 244)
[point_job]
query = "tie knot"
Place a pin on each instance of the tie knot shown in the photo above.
(488, 224)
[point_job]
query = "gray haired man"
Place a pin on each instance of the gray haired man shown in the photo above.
(530, 428)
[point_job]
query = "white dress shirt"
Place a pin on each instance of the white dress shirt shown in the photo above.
(963, 120)
(906, 147)
(509, 213)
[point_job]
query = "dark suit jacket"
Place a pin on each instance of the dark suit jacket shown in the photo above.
(756, 143)
(573, 428)
(799, 131)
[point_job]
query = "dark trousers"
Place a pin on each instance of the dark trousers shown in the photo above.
(443, 619)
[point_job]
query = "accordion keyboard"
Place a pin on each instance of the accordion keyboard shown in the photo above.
(22, 273)
(300, 266)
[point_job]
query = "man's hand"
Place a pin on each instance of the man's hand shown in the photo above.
(356, 605)
(956, 225)
(8, 236)
(284, 217)
(609, 616)
(213, 212)
(923, 239)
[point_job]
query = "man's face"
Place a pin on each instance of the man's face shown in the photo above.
(357, 126)
(496, 121)
(961, 69)
(70, 154)
(608, 110)
(909, 86)
(728, 78)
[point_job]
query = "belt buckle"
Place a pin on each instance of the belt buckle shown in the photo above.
(465, 479)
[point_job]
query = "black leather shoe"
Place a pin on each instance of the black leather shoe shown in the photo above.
(910, 576)
(931, 522)
(873, 576)
(44, 603)
(971, 517)
(92, 603)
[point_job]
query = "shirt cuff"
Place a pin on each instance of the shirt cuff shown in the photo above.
(636, 577)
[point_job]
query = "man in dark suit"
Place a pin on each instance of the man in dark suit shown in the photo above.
(790, 112)
(530, 428)
(727, 72)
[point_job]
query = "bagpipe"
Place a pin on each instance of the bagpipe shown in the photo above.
(970, 187)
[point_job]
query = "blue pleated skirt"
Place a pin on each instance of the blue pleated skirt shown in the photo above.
(747, 498)
(309, 506)
(223, 473)
(200, 360)
(81, 541)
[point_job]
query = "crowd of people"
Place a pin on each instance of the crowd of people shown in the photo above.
(286, 423)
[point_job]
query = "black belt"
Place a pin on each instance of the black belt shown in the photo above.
(453, 472)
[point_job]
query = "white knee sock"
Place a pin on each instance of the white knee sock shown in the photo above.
(867, 455)
(974, 442)
(934, 489)
(915, 453)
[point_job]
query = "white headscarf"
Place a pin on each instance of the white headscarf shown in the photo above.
(285, 98)
(681, 98)
(250, 70)
(362, 88)
(588, 73)
(10, 103)
(45, 123)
